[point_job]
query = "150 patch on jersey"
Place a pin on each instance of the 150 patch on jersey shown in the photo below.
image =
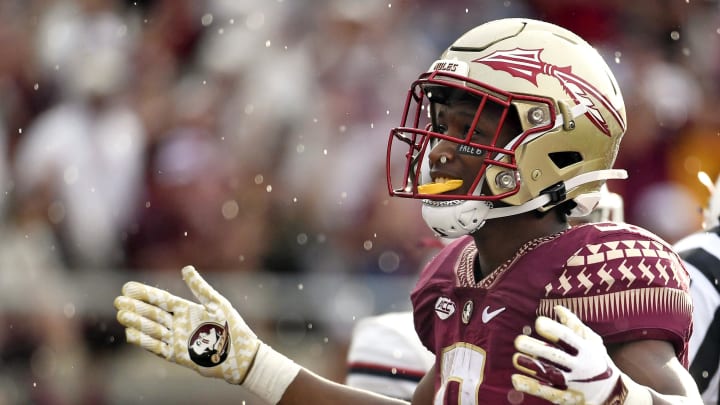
(208, 344)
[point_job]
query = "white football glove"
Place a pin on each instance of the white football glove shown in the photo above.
(574, 368)
(212, 338)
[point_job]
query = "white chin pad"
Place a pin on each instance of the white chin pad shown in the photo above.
(453, 219)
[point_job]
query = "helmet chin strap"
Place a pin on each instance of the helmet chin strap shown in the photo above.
(453, 219)
(545, 199)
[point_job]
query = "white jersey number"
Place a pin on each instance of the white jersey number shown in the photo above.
(461, 373)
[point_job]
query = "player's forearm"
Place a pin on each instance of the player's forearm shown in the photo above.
(638, 394)
(688, 396)
(664, 378)
(310, 388)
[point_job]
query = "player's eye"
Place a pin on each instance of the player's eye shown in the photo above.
(441, 129)
(476, 134)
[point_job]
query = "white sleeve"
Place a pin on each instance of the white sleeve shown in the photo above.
(386, 355)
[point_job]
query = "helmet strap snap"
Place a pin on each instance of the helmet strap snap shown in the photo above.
(556, 192)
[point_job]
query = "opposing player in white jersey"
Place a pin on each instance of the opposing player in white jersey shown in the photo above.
(701, 253)
(386, 355)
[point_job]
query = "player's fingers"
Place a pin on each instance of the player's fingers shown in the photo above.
(534, 387)
(145, 310)
(572, 321)
(203, 291)
(539, 369)
(537, 348)
(148, 343)
(144, 325)
(559, 334)
(149, 294)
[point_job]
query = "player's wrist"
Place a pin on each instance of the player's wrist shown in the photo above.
(632, 392)
(270, 374)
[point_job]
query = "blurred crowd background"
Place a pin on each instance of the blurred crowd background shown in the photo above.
(247, 137)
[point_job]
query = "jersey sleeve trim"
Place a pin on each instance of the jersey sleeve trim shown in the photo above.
(626, 303)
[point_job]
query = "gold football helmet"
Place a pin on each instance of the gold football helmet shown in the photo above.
(550, 86)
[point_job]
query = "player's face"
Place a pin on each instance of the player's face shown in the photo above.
(452, 160)
(205, 342)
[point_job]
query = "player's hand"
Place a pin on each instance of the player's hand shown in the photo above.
(574, 368)
(210, 337)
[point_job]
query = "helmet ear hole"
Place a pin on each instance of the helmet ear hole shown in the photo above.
(565, 159)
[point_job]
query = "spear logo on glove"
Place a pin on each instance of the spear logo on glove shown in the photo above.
(208, 344)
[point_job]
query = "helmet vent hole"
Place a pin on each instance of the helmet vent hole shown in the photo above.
(565, 159)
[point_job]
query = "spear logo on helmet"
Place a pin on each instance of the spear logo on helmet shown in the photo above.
(527, 64)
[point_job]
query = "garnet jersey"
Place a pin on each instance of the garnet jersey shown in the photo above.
(622, 281)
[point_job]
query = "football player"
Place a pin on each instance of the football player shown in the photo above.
(514, 128)
(701, 253)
